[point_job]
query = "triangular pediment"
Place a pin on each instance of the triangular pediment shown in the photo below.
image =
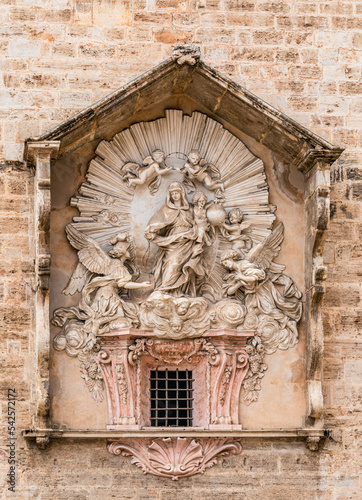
(185, 77)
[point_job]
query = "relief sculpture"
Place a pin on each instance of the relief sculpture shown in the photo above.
(184, 248)
(180, 268)
(198, 169)
(256, 275)
(150, 171)
(101, 308)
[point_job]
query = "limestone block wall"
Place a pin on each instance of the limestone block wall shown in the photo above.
(305, 58)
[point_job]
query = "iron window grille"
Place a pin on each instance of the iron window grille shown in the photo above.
(171, 398)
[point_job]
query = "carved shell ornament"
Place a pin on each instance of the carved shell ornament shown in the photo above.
(175, 457)
(175, 235)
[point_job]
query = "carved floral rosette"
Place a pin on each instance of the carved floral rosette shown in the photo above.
(175, 457)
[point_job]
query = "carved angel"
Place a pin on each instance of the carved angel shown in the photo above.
(100, 308)
(150, 172)
(256, 276)
(109, 218)
(196, 168)
(93, 259)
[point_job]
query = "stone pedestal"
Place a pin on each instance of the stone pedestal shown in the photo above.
(219, 363)
(218, 360)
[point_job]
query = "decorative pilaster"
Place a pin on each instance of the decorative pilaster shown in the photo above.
(316, 168)
(120, 378)
(40, 155)
(227, 375)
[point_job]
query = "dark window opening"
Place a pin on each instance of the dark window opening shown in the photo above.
(171, 398)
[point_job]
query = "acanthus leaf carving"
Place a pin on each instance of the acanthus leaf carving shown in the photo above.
(173, 353)
(122, 383)
(175, 457)
(92, 375)
(225, 382)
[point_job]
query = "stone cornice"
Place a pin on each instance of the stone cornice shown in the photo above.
(312, 437)
(184, 74)
(35, 148)
(151, 432)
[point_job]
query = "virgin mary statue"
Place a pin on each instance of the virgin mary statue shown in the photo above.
(180, 267)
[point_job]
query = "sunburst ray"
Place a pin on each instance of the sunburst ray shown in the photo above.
(243, 175)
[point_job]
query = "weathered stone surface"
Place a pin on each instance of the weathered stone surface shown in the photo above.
(240, 34)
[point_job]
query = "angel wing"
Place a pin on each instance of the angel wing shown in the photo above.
(90, 253)
(214, 170)
(79, 278)
(262, 255)
(130, 169)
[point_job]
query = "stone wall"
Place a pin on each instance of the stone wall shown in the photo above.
(59, 56)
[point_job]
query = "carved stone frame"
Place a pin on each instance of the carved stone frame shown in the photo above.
(313, 156)
(40, 155)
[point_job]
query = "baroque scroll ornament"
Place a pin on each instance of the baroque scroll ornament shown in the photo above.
(175, 457)
(175, 236)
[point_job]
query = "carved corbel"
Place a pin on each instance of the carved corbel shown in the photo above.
(42, 442)
(313, 443)
(39, 156)
(175, 457)
(186, 54)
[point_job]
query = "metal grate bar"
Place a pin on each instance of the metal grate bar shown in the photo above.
(171, 396)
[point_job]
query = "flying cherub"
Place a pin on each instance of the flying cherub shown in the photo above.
(150, 172)
(233, 229)
(196, 168)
